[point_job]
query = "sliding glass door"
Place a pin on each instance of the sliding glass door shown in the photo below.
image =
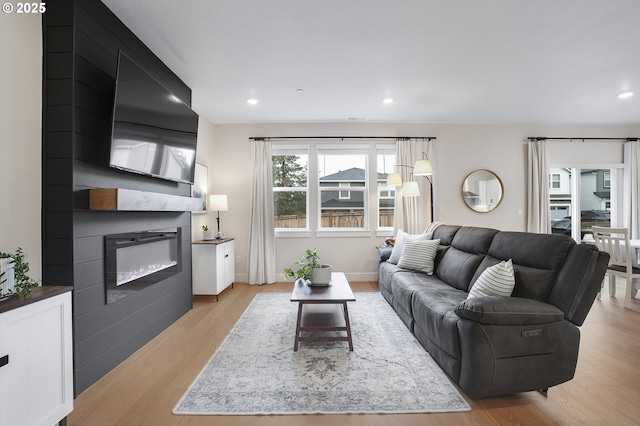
(582, 197)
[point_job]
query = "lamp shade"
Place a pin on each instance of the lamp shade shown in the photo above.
(394, 179)
(410, 189)
(218, 202)
(423, 168)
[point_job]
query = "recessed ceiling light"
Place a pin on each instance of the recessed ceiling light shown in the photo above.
(299, 90)
(387, 100)
(625, 95)
(252, 101)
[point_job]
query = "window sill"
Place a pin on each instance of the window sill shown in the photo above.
(298, 233)
(342, 233)
(386, 233)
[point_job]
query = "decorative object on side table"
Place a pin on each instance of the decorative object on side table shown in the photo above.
(310, 270)
(218, 202)
(206, 233)
(14, 280)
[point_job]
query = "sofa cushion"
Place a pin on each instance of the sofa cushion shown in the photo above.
(474, 240)
(445, 233)
(433, 308)
(537, 260)
(405, 284)
(496, 280)
(457, 267)
(499, 310)
(418, 255)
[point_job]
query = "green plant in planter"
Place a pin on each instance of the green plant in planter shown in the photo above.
(23, 284)
(305, 266)
(205, 227)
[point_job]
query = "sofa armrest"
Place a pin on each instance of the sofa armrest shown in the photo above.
(384, 253)
(500, 310)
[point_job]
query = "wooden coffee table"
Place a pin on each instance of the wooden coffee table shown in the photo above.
(323, 309)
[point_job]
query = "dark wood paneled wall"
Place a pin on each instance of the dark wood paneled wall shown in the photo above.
(81, 44)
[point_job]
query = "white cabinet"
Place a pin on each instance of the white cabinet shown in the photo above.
(36, 358)
(213, 266)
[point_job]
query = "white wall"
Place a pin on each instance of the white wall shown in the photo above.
(20, 136)
(458, 150)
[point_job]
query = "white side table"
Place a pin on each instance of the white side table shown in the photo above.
(213, 266)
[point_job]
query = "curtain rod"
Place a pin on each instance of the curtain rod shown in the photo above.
(539, 138)
(343, 137)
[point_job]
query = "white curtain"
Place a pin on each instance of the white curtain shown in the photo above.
(631, 212)
(262, 239)
(538, 208)
(412, 214)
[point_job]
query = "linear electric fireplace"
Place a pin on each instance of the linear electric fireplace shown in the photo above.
(136, 260)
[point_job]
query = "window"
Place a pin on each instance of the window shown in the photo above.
(554, 181)
(339, 168)
(606, 176)
(386, 160)
(290, 176)
(344, 195)
(332, 189)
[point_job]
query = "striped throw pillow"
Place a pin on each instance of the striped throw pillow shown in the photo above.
(418, 255)
(397, 248)
(496, 280)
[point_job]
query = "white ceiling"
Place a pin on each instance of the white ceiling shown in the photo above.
(442, 61)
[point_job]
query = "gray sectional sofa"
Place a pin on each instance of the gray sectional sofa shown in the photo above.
(499, 345)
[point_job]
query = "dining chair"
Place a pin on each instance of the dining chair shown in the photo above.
(615, 241)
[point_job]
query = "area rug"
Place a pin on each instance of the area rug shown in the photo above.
(255, 370)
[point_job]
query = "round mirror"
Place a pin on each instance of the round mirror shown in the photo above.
(482, 191)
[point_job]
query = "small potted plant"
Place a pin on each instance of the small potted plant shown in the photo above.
(310, 270)
(14, 281)
(207, 234)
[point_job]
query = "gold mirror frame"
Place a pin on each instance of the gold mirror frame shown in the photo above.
(482, 191)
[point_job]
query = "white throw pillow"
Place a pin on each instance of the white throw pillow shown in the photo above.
(400, 239)
(496, 280)
(418, 255)
(397, 248)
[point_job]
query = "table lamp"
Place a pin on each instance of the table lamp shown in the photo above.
(218, 202)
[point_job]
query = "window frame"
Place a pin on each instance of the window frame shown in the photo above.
(371, 207)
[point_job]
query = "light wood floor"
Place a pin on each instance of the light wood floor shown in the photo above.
(144, 389)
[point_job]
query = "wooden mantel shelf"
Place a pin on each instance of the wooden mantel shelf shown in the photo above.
(121, 199)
